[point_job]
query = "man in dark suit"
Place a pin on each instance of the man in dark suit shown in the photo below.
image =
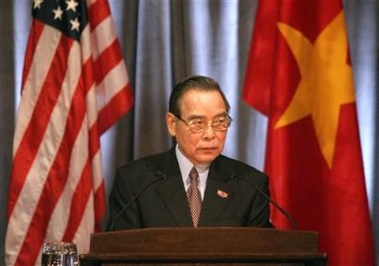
(156, 191)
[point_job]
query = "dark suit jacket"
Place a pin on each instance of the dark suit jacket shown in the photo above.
(229, 200)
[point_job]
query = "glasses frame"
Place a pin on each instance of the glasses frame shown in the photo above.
(209, 123)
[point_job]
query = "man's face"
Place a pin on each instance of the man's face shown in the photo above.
(201, 147)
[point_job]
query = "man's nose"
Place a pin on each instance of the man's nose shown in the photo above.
(208, 131)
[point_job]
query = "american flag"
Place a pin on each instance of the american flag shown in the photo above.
(74, 87)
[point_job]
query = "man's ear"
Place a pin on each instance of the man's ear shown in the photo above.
(171, 122)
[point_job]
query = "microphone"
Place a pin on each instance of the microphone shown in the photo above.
(161, 176)
(283, 211)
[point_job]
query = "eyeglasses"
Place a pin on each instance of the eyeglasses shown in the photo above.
(197, 125)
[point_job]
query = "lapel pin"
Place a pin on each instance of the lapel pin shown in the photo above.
(222, 194)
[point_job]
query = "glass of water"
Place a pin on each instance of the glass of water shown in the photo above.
(59, 254)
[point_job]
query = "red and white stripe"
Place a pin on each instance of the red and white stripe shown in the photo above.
(72, 93)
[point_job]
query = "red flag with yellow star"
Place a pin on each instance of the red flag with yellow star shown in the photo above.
(299, 76)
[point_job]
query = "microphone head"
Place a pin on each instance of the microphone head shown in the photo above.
(160, 174)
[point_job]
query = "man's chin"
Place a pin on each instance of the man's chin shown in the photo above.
(206, 158)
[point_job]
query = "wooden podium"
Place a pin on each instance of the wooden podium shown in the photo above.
(204, 246)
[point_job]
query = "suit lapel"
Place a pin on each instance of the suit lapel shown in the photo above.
(217, 195)
(172, 190)
(174, 197)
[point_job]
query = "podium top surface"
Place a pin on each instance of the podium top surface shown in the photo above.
(215, 240)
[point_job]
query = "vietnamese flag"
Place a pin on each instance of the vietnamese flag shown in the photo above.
(299, 75)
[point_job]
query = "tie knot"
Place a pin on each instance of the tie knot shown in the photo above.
(194, 175)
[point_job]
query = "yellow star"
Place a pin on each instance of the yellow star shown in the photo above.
(326, 81)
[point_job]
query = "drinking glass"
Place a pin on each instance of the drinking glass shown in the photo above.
(59, 254)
